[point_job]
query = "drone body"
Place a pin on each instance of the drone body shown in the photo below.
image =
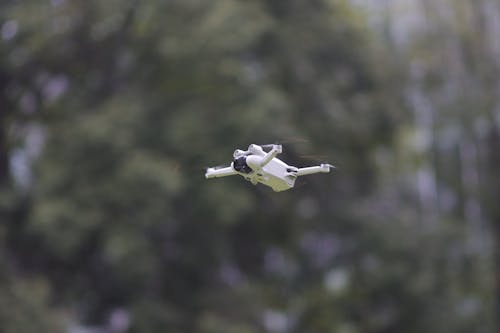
(259, 166)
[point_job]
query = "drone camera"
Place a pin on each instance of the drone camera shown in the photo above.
(240, 165)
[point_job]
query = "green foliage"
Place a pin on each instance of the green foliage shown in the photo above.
(25, 305)
(119, 225)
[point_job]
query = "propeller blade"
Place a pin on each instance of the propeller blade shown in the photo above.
(314, 157)
(294, 140)
(285, 141)
(269, 146)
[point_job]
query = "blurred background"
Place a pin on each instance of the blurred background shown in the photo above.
(110, 110)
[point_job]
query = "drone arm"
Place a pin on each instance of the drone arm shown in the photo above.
(223, 172)
(314, 169)
(270, 155)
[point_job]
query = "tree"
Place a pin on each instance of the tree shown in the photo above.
(135, 98)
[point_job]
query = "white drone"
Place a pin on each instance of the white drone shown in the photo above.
(258, 166)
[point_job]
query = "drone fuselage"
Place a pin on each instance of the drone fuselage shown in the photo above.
(276, 174)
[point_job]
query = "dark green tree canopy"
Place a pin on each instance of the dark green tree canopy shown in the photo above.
(113, 109)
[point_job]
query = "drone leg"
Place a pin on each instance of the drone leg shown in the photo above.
(314, 169)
